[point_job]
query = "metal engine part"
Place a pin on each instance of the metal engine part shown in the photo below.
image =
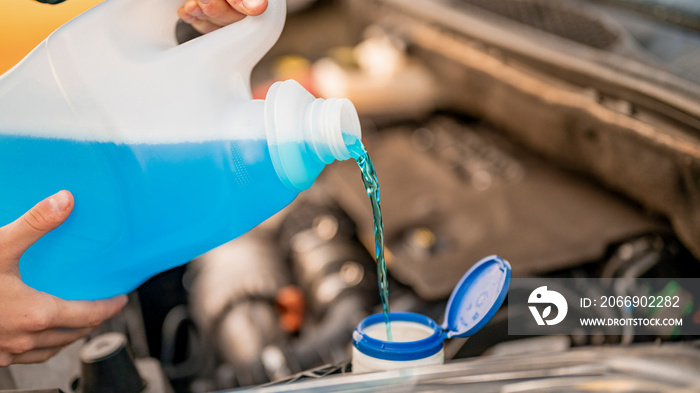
(232, 301)
(337, 275)
(556, 17)
(234, 292)
(628, 124)
(455, 192)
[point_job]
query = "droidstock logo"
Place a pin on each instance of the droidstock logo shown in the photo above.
(542, 296)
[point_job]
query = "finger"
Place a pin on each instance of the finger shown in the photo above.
(44, 217)
(36, 355)
(249, 7)
(86, 314)
(191, 13)
(204, 26)
(219, 12)
(184, 15)
(192, 8)
(59, 337)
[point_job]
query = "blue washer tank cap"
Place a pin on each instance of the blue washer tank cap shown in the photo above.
(477, 297)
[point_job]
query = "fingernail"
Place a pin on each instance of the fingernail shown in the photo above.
(59, 201)
(204, 1)
(252, 4)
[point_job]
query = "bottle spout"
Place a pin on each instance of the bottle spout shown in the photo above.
(305, 133)
(331, 126)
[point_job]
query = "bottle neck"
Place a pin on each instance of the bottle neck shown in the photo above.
(329, 127)
(304, 133)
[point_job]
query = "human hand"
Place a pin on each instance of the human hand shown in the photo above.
(34, 325)
(208, 15)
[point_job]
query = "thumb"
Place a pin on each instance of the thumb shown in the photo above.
(41, 219)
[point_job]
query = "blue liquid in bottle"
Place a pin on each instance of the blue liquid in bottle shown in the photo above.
(139, 208)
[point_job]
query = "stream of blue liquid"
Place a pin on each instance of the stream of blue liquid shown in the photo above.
(369, 179)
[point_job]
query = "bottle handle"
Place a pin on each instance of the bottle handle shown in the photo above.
(147, 28)
(122, 56)
(242, 44)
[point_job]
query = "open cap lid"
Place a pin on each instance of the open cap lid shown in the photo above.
(477, 297)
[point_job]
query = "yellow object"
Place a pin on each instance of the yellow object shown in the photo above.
(25, 23)
(290, 65)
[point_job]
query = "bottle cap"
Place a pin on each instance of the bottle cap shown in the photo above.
(477, 297)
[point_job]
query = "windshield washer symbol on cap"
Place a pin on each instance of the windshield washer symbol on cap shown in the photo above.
(542, 295)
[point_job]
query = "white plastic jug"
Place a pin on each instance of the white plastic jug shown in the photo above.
(163, 148)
